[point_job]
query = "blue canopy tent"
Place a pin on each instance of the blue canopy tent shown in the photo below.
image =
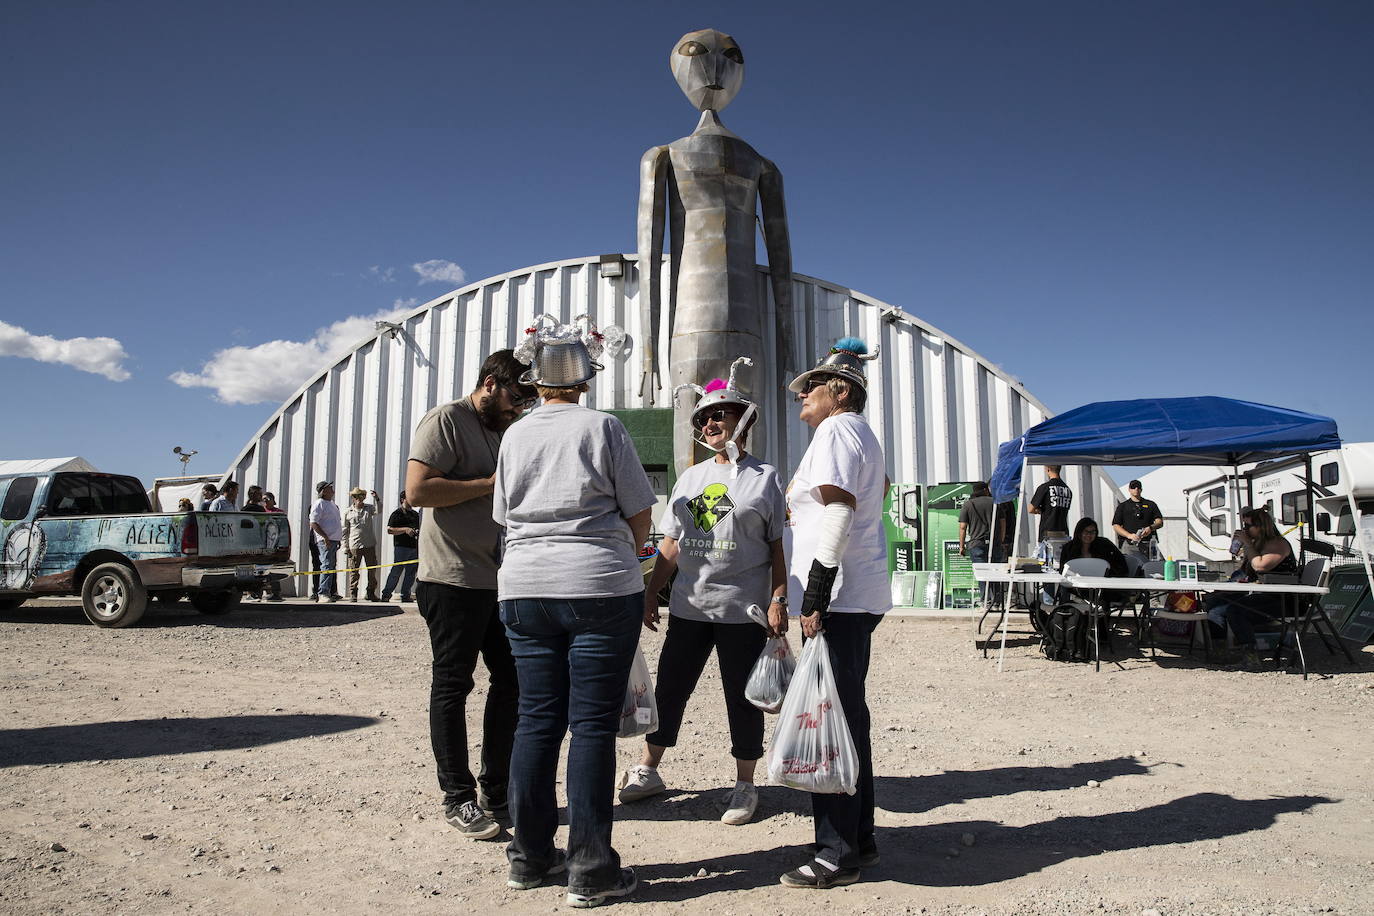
(1203, 430)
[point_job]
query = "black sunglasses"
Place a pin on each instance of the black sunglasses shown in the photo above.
(813, 383)
(716, 416)
(520, 403)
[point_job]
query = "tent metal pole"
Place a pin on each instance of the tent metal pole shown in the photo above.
(1355, 516)
(1011, 561)
(1311, 512)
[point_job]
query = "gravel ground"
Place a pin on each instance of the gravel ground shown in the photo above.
(278, 760)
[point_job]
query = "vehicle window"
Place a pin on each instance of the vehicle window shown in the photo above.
(1294, 506)
(19, 498)
(1216, 498)
(71, 495)
(1331, 474)
(128, 496)
(1218, 526)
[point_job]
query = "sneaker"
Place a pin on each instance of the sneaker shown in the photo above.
(273, 598)
(818, 875)
(405, 599)
(627, 886)
(639, 782)
(471, 821)
(334, 599)
(373, 598)
(386, 596)
(868, 856)
(519, 883)
(743, 802)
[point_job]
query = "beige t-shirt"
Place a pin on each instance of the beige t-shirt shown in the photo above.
(459, 545)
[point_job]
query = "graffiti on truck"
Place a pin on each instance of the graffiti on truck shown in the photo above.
(24, 549)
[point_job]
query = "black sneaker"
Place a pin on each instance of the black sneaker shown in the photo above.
(816, 875)
(624, 888)
(471, 821)
(528, 882)
(868, 855)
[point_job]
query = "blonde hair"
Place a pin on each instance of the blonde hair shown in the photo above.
(549, 393)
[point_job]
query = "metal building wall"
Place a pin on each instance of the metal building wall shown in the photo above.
(939, 408)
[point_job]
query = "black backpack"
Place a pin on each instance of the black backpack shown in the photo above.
(1064, 633)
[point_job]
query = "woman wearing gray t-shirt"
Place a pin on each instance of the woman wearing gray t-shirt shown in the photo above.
(723, 535)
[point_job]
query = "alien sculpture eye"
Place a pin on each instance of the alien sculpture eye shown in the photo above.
(734, 54)
(691, 49)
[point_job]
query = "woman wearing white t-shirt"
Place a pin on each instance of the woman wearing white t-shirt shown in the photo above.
(723, 535)
(838, 577)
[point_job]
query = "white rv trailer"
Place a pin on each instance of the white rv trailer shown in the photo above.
(1281, 486)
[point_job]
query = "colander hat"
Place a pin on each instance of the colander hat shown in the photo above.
(564, 356)
(845, 360)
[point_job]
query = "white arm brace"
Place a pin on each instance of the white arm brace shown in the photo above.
(836, 520)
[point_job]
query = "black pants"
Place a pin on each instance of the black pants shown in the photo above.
(844, 823)
(462, 623)
(685, 651)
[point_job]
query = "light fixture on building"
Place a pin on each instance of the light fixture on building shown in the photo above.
(185, 454)
(390, 327)
(612, 265)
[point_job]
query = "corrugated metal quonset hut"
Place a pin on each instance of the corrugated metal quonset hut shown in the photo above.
(939, 408)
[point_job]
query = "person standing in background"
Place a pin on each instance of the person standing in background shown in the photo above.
(404, 527)
(360, 541)
(326, 528)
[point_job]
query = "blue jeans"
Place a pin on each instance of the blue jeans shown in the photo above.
(329, 559)
(403, 574)
(978, 553)
(573, 657)
(1243, 613)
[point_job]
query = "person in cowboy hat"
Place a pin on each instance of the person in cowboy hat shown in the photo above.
(360, 541)
(723, 535)
(575, 503)
(838, 578)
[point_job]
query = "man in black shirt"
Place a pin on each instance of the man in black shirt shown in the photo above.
(404, 526)
(1135, 523)
(975, 524)
(1051, 502)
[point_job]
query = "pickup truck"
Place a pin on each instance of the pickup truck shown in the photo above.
(95, 535)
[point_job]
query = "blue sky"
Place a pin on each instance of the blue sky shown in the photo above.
(1109, 200)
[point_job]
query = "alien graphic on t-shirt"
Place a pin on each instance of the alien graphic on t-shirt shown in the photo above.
(710, 507)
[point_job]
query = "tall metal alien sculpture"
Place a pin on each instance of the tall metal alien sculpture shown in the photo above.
(709, 186)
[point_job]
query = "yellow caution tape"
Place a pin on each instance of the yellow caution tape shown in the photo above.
(321, 572)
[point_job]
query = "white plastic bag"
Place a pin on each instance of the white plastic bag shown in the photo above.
(812, 748)
(639, 714)
(768, 682)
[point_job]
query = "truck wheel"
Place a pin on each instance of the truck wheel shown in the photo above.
(220, 601)
(9, 604)
(112, 596)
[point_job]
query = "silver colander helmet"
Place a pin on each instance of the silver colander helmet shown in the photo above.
(717, 393)
(564, 356)
(845, 360)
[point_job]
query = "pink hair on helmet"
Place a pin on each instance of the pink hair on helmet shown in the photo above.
(715, 384)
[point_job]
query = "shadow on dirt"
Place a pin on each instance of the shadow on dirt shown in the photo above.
(135, 738)
(248, 616)
(933, 855)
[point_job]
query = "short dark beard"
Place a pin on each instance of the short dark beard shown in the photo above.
(490, 413)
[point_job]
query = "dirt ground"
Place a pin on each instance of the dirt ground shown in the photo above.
(277, 760)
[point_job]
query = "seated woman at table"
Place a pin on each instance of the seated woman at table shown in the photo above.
(1264, 551)
(1086, 543)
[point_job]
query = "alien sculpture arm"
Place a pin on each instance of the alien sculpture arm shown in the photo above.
(779, 245)
(653, 195)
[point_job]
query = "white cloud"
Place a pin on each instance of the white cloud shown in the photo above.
(439, 271)
(381, 274)
(98, 355)
(272, 371)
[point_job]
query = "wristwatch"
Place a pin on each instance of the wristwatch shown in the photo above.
(779, 599)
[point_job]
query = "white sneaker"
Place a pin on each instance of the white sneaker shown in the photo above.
(744, 801)
(639, 782)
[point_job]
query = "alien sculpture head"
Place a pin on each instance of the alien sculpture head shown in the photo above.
(709, 67)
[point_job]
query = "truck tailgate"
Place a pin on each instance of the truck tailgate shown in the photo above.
(242, 534)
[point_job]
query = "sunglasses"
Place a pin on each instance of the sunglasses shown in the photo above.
(813, 383)
(716, 416)
(520, 403)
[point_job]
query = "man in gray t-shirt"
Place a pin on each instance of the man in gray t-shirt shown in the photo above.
(975, 524)
(450, 472)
